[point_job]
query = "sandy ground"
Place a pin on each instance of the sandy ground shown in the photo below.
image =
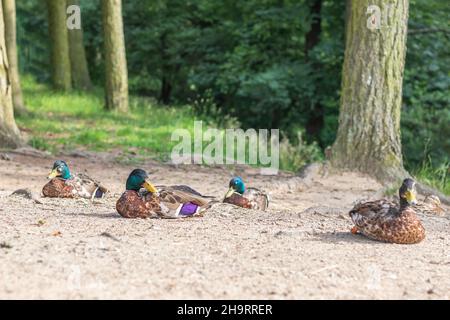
(80, 250)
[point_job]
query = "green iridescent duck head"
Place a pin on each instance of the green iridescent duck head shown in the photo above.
(236, 185)
(138, 179)
(61, 170)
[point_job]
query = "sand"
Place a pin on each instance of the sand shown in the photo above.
(301, 248)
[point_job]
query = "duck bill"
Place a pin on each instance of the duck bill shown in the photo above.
(411, 197)
(229, 193)
(148, 186)
(53, 174)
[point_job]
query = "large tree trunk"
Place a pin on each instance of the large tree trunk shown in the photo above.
(9, 133)
(79, 66)
(368, 137)
(116, 74)
(59, 38)
(9, 10)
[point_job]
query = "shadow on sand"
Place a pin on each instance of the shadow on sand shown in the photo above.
(341, 237)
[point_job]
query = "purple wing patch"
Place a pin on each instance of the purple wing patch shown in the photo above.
(188, 209)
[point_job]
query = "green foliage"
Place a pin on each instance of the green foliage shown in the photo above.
(295, 156)
(437, 177)
(237, 63)
(426, 99)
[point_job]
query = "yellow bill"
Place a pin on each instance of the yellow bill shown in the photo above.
(53, 174)
(147, 185)
(410, 197)
(229, 193)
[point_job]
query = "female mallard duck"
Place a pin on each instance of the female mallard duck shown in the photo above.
(382, 220)
(64, 185)
(241, 196)
(142, 200)
(431, 205)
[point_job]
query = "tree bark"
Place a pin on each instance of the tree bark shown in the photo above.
(9, 15)
(60, 60)
(368, 137)
(9, 132)
(78, 62)
(116, 74)
(312, 38)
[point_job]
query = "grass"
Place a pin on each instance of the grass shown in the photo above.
(436, 177)
(65, 121)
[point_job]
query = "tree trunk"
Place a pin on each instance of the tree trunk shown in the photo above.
(368, 138)
(312, 38)
(59, 38)
(78, 62)
(116, 74)
(9, 133)
(9, 10)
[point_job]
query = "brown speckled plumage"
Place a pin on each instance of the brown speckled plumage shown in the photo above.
(251, 199)
(165, 204)
(58, 188)
(137, 205)
(79, 186)
(382, 220)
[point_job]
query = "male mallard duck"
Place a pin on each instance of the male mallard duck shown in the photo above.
(241, 196)
(142, 200)
(431, 205)
(384, 221)
(64, 185)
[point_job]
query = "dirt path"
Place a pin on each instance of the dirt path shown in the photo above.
(76, 249)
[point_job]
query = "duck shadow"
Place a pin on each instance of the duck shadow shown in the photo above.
(340, 236)
(112, 215)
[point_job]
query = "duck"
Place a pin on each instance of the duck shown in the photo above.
(250, 198)
(431, 205)
(142, 199)
(63, 184)
(383, 220)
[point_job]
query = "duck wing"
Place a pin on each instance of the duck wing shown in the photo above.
(88, 187)
(184, 188)
(373, 212)
(179, 204)
(257, 198)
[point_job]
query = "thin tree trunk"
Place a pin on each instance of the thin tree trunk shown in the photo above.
(312, 38)
(9, 133)
(116, 74)
(60, 61)
(79, 66)
(368, 137)
(9, 10)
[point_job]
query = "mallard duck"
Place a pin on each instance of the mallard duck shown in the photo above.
(431, 205)
(241, 196)
(63, 184)
(142, 200)
(384, 221)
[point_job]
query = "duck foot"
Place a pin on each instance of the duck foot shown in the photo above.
(354, 230)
